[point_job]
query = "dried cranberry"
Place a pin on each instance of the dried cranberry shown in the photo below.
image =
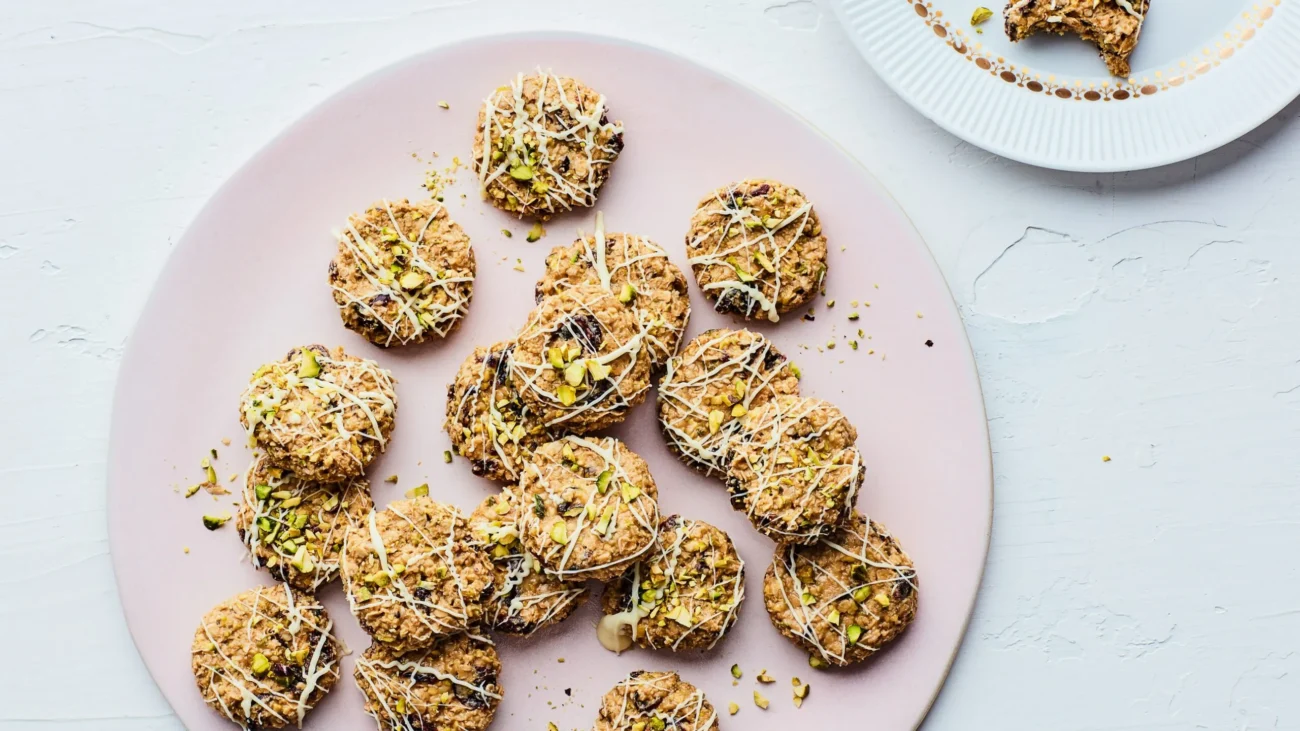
(421, 593)
(381, 300)
(760, 191)
(772, 359)
(735, 300)
(585, 329)
(903, 589)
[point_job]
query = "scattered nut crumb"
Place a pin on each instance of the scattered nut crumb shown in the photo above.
(391, 479)
(1105, 458)
(733, 709)
(444, 105)
(226, 441)
(519, 265)
(185, 549)
(760, 701)
(763, 677)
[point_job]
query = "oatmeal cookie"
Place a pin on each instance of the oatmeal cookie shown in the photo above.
(580, 362)
(795, 470)
(412, 576)
(488, 422)
(266, 657)
(757, 249)
(638, 272)
(719, 377)
(650, 700)
(1112, 25)
(404, 273)
(590, 508)
(686, 595)
(323, 415)
(544, 145)
(294, 528)
(525, 598)
(845, 597)
(452, 685)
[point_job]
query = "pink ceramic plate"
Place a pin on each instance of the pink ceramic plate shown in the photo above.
(248, 281)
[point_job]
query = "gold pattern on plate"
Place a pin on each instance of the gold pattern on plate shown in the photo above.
(1193, 66)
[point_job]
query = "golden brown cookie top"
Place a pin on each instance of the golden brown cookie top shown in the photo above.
(544, 145)
(320, 413)
(845, 596)
(412, 575)
(265, 657)
(589, 507)
(404, 273)
(757, 249)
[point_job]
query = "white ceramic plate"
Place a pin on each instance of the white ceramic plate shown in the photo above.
(248, 281)
(1205, 72)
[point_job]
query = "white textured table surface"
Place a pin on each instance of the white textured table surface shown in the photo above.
(1151, 317)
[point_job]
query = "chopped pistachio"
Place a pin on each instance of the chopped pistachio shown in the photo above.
(519, 265)
(882, 598)
(555, 356)
(599, 371)
(833, 617)
(391, 479)
(763, 677)
(213, 522)
(560, 532)
(860, 595)
(444, 105)
(189, 491)
(739, 410)
(733, 709)
(310, 366)
(575, 373)
(446, 456)
(630, 491)
(418, 491)
(521, 172)
(853, 315)
(627, 294)
(855, 633)
(795, 370)
(507, 233)
(602, 481)
(815, 661)
(760, 701)
(261, 665)
(411, 280)
(362, 594)
(551, 726)
(980, 16)
(736, 672)
(536, 232)
(566, 394)
(715, 421)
